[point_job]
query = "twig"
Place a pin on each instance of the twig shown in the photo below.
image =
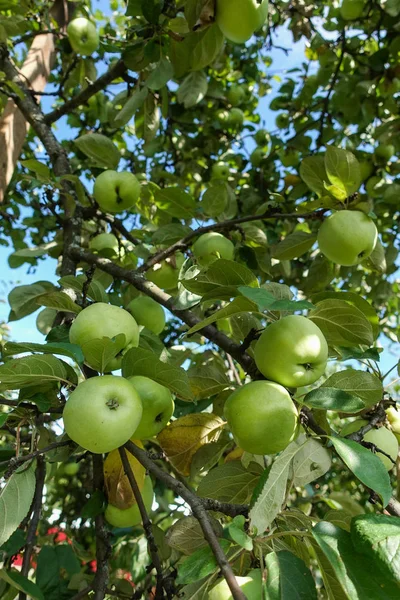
(233, 369)
(14, 463)
(36, 511)
(199, 512)
(82, 593)
(116, 71)
(146, 525)
(378, 416)
(103, 548)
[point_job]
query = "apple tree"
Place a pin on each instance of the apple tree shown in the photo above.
(210, 411)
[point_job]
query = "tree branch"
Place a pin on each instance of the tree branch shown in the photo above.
(146, 525)
(36, 511)
(14, 463)
(199, 511)
(166, 300)
(116, 71)
(103, 548)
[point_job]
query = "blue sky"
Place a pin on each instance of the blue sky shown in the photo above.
(25, 329)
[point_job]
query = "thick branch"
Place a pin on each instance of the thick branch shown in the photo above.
(199, 512)
(146, 524)
(36, 511)
(116, 71)
(103, 548)
(166, 300)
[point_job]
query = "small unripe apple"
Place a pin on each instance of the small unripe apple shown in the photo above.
(220, 171)
(262, 137)
(147, 312)
(130, 517)
(383, 438)
(239, 19)
(251, 586)
(71, 469)
(102, 320)
(115, 192)
(282, 121)
(292, 351)
(223, 117)
(262, 417)
(351, 9)
(393, 416)
(102, 413)
(258, 156)
(158, 406)
(347, 237)
(210, 246)
(83, 36)
(105, 244)
(166, 274)
(236, 95)
(385, 152)
(236, 118)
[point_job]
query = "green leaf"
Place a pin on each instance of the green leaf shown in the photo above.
(208, 46)
(175, 202)
(237, 306)
(329, 398)
(37, 167)
(378, 536)
(169, 234)
(31, 370)
(95, 291)
(60, 302)
(311, 462)
(342, 324)
(221, 274)
(21, 583)
(392, 7)
(163, 72)
(294, 245)
(215, 199)
(147, 119)
(71, 350)
(265, 300)
(288, 578)
(358, 383)
(207, 380)
(100, 149)
(151, 10)
(238, 535)
(268, 503)
(53, 564)
(200, 564)
(100, 351)
(186, 535)
(35, 252)
(356, 573)
(143, 362)
(363, 305)
(193, 89)
(94, 506)
(230, 482)
(343, 169)
(313, 173)
(16, 499)
(133, 103)
(367, 467)
(23, 298)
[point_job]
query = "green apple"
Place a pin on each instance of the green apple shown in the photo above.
(239, 19)
(282, 121)
(130, 517)
(385, 152)
(236, 118)
(210, 246)
(115, 192)
(158, 406)
(166, 274)
(351, 9)
(258, 156)
(383, 438)
(393, 416)
(222, 117)
(71, 469)
(102, 320)
(220, 171)
(347, 237)
(374, 186)
(105, 244)
(366, 169)
(262, 417)
(262, 137)
(292, 352)
(147, 312)
(251, 586)
(102, 413)
(289, 158)
(236, 95)
(83, 36)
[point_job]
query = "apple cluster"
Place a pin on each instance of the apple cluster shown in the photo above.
(290, 353)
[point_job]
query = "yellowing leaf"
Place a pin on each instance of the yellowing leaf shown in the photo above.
(181, 440)
(118, 488)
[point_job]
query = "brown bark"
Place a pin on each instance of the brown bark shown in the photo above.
(35, 70)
